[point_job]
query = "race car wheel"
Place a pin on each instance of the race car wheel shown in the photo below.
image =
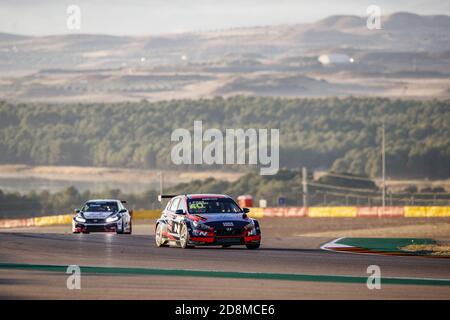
(184, 237)
(158, 237)
(122, 229)
(252, 246)
(131, 228)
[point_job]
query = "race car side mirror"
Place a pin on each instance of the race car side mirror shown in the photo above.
(180, 211)
(122, 210)
(246, 210)
(77, 210)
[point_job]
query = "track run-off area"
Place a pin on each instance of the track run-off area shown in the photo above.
(289, 265)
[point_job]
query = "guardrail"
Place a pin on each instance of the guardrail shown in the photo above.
(355, 212)
(311, 212)
(65, 219)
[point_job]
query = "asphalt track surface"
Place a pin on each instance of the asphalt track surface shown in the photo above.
(33, 263)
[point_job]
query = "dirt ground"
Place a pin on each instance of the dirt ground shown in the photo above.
(76, 173)
(431, 249)
(358, 227)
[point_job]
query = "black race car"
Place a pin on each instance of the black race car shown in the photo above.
(206, 219)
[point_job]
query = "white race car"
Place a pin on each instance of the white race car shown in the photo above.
(102, 215)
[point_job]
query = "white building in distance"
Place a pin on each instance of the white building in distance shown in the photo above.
(335, 58)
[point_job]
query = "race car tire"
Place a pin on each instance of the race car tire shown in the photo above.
(252, 246)
(131, 228)
(121, 231)
(184, 237)
(158, 237)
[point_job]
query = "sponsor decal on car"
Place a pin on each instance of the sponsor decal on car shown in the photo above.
(228, 224)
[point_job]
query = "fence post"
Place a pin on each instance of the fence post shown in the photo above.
(305, 187)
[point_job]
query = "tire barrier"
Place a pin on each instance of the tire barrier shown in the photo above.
(380, 212)
(145, 214)
(428, 212)
(281, 212)
(257, 212)
(333, 212)
(352, 212)
(17, 223)
(285, 212)
(53, 220)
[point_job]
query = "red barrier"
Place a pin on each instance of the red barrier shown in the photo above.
(17, 223)
(380, 212)
(391, 212)
(367, 212)
(285, 212)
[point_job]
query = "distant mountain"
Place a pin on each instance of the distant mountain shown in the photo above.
(400, 21)
(404, 21)
(138, 17)
(344, 29)
(276, 60)
(340, 22)
(11, 37)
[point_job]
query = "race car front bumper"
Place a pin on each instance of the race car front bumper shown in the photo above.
(96, 227)
(224, 240)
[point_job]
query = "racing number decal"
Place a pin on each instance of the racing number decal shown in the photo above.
(176, 228)
(197, 205)
(171, 226)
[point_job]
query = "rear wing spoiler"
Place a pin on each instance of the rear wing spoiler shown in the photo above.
(165, 196)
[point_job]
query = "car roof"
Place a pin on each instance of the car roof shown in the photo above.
(206, 195)
(103, 200)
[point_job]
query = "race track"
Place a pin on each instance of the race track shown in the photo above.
(295, 255)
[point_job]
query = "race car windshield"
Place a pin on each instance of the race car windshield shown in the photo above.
(213, 205)
(100, 207)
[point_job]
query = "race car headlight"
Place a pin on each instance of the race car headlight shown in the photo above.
(251, 229)
(199, 225)
(250, 226)
(112, 219)
(80, 219)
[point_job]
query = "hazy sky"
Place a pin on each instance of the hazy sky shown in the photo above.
(139, 17)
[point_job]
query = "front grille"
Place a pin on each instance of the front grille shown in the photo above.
(225, 232)
(229, 240)
(95, 228)
(95, 220)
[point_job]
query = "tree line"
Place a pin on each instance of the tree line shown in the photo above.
(338, 134)
(286, 184)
